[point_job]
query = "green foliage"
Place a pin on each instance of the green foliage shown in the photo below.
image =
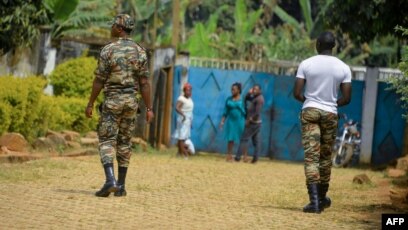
(285, 43)
(66, 113)
(74, 77)
(80, 17)
(312, 26)
(61, 9)
(247, 41)
(5, 120)
(284, 16)
(20, 20)
(364, 20)
(369, 24)
(204, 41)
(245, 23)
(400, 84)
(207, 40)
(26, 110)
(143, 11)
(20, 98)
(307, 14)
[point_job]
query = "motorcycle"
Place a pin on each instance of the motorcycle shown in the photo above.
(347, 144)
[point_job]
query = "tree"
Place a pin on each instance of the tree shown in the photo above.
(19, 23)
(370, 24)
(211, 40)
(400, 85)
(364, 20)
(144, 14)
(311, 21)
(80, 18)
(204, 40)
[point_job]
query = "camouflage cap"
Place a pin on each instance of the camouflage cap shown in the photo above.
(123, 20)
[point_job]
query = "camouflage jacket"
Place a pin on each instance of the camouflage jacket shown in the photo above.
(120, 65)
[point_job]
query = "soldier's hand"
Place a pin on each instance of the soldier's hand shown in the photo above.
(149, 116)
(88, 111)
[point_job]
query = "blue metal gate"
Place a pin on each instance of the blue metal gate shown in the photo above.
(389, 126)
(281, 132)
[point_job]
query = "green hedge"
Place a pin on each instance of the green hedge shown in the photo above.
(74, 77)
(20, 98)
(5, 120)
(25, 109)
(68, 113)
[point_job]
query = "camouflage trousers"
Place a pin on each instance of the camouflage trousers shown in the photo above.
(116, 127)
(318, 135)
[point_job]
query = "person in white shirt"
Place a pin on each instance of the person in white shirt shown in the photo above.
(184, 108)
(320, 77)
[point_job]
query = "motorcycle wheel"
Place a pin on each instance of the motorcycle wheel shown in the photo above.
(343, 158)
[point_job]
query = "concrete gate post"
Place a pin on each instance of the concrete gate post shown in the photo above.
(368, 116)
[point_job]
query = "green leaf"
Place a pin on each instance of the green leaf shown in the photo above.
(62, 9)
(307, 14)
(286, 17)
(240, 17)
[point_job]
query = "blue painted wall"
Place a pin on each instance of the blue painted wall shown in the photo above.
(281, 133)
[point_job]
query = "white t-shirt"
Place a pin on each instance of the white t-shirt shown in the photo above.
(188, 104)
(323, 74)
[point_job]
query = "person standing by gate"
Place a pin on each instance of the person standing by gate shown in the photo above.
(184, 108)
(234, 114)
(122, 70)
(321, 76)
(255, 101)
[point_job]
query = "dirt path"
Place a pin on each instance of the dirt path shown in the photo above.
(165, 192)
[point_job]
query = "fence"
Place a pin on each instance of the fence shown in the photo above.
(286, 68)
(376, 108)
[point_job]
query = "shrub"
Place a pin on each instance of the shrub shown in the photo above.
(74, 77)
(5, 120)
(20, 98)
(26, 110)
(68, 113)
(401, 84)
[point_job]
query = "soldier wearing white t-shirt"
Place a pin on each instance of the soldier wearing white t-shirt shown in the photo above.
(321, 77)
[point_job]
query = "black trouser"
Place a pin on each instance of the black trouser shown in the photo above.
(251, 131)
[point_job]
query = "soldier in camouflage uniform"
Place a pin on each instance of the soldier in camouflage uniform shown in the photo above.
(121, 72)
(321, 76)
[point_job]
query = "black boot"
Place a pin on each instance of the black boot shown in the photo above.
(110, 183)
(121, 181)
(313, 206)
(324, 201)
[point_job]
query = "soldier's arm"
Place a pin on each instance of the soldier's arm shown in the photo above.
(345, 99)
(345, 89)
(145, 91)
(298, 91)
(97, 86)
(101, 73)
